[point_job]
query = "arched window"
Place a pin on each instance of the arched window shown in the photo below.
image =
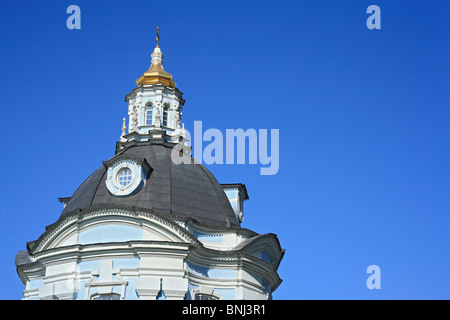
(165, 116)
(149, 115)
(110, 296)
(206, 293)
(201, 296)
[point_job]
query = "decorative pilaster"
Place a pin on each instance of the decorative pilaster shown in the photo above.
(158, 118)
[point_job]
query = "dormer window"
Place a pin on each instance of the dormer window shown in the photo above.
(237, 194)
(126, 174)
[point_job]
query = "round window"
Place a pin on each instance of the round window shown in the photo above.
(124, 177)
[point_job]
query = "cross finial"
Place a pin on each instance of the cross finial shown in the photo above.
(157, 36)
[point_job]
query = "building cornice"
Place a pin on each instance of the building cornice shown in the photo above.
(154, 87)
(78, 216)
(117, 210)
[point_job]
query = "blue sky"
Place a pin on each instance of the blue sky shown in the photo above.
(363, 117)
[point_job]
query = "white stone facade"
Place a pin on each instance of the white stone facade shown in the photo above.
(165, 104)
(118, 253)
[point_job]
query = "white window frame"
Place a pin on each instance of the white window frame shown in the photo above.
(149, 109)
(165, 115)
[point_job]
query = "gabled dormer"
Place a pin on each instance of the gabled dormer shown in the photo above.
(237, 194)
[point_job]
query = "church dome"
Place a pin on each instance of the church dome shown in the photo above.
(151, 222)
(175, 191)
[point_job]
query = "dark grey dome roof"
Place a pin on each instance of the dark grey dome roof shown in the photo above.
(186, 190)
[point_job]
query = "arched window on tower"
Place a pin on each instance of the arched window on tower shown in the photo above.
(149, 115)
(165, 116)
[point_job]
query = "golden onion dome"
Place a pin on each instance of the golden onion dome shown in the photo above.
(156, 74)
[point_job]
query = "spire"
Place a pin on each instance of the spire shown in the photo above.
(157, 37)
(156, 74)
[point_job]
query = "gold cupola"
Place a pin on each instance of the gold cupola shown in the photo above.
(156, 74)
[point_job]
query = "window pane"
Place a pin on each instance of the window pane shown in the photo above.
(165, 115)
(124, 177)
(149, 116)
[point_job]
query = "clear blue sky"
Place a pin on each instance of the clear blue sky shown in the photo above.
(363, 117)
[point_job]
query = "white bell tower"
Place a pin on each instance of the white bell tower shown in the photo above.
(155, 105)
